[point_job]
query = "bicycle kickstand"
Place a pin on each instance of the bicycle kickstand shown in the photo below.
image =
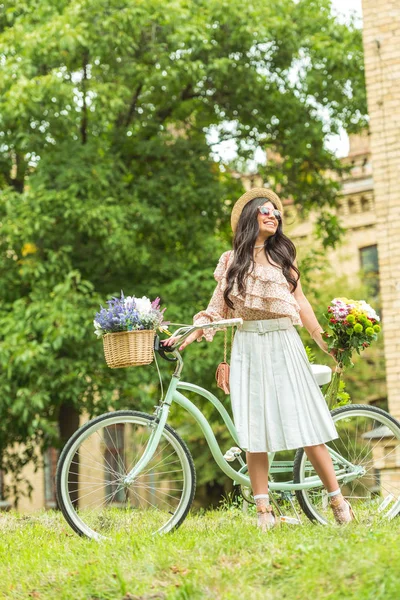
(285, 518)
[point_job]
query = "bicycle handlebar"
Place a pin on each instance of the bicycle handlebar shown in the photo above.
(188, 329)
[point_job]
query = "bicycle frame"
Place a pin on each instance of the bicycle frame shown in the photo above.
(174, 395)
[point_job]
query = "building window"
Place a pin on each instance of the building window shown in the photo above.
(353, 206)
(340, 208)
(364, 204)
(370, 267)
(49, 467)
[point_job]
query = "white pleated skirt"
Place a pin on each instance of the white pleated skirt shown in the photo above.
(277, 403)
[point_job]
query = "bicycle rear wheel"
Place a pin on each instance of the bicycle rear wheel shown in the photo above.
(370, 439)
(91, 492)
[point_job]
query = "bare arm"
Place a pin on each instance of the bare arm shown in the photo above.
(214, 312)
(309, 319)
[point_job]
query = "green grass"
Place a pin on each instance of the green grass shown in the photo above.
(215, 554)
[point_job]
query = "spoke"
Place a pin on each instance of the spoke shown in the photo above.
(92, 492)
(161, 461)
(145, 499)
(102, 455)
(85, 485)
(160, 490)
(166, 465)
(164, 472)
(102, 466)
(96, 478)
(378, 442)
(162, 446)
(152, 458)
(168, 480)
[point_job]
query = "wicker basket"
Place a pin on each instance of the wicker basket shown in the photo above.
(129, 348)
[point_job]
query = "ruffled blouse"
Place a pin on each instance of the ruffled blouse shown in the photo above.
(267, 296)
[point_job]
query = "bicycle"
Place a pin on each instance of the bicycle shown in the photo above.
(129, 470)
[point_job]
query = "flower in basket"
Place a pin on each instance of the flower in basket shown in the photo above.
(353, 327)
(129, 314)
(128, 327)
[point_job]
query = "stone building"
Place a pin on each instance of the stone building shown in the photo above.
(381, 38)
(358, 254)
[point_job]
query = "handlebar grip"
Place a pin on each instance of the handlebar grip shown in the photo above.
(161, 349)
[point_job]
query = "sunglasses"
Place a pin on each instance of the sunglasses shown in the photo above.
(266, 210)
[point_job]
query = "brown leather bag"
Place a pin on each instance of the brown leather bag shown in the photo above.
(223, 369)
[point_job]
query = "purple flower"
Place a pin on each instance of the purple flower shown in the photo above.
(156, 302)
(127, 314)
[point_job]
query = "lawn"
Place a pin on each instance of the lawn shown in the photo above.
(216, 554)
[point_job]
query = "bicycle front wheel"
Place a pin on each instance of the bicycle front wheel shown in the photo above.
(92, 494)
(369, 439)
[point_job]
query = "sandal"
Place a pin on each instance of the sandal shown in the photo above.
(266, 518)
(342, 510)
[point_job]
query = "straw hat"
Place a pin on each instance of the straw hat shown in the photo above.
(253, 193)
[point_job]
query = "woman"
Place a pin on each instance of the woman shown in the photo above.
(276, 401)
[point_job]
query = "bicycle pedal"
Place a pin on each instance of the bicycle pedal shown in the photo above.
(290, 520)
(233, 453)
(388, 500)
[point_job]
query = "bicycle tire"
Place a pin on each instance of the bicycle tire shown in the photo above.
(68, 452)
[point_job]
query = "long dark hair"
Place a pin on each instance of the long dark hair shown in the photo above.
(278, 246)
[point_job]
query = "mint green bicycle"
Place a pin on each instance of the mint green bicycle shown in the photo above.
(129, 470)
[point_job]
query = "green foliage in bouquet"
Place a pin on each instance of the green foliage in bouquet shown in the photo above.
(343, 397)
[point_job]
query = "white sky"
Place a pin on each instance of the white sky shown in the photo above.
(338, 144)
(344, 8)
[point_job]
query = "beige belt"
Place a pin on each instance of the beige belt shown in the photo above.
(265, 325)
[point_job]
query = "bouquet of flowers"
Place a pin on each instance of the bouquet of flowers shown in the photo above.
(128, 327)
(354, 326)
(129, 314)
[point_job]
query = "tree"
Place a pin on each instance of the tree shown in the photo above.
(108, 180)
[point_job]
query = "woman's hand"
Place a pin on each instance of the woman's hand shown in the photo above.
(324, 346)
(191, 338)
